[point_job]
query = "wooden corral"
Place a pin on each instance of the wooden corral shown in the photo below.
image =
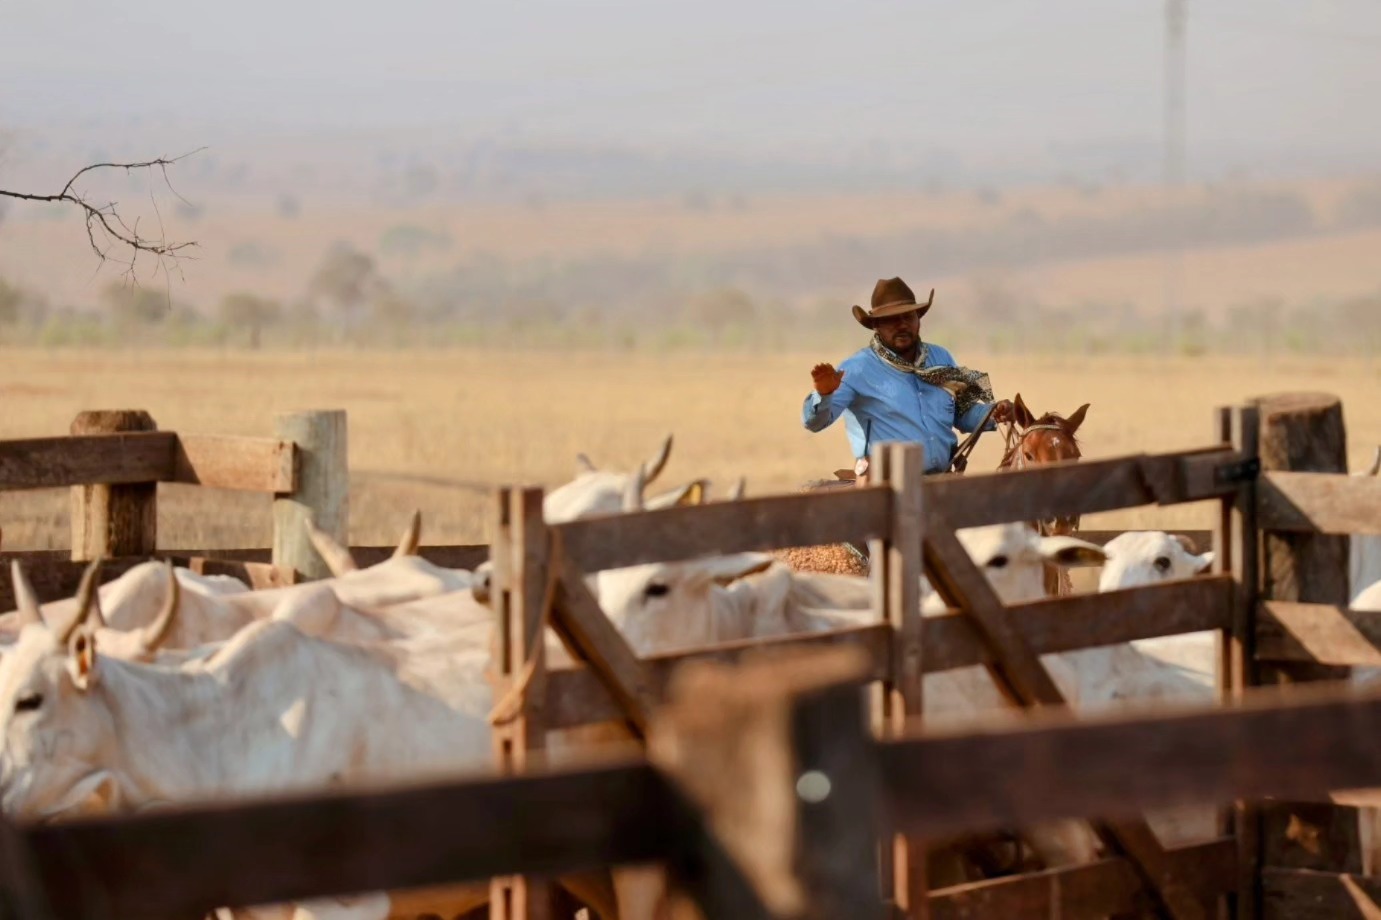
(845, 796)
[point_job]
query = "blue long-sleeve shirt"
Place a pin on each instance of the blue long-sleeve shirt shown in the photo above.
(880, 403)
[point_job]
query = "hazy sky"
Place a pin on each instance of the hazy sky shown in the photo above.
(1278, 80)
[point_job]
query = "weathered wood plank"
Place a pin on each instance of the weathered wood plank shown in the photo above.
(1322, 633)
(1106, 887)
(585, 628)
(1325, 503)
(45, 463)
(1237, 547)
(1303, 894)
(1087, 620)
(897, 568)
(1018, 670)
(741, 744)
(185, 862)
(59, 580)
(323, 490)
(1128, 763)
(244, 464)
(1081, 487)
(524, 588)
(462, 556)
(113, 520)
(777, 522)
(1303, 433)
(575, 696)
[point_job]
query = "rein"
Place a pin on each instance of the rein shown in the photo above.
(960, 460)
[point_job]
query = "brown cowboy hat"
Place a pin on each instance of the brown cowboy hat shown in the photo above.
(891, 297)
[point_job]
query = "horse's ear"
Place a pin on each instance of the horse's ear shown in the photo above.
(1024, 417)
(1074, 421)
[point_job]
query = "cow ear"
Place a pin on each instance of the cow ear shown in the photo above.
(1204, 562)
(81, 657)
(692, 493)
(726, 570)
(1068, 552)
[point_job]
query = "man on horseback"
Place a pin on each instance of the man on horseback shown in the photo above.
(900, 388)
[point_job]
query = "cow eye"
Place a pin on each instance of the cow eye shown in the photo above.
(1162, 563)
(28, 702)
(657, 589)
(997, 562)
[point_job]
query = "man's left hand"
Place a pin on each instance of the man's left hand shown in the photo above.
(1003, 412)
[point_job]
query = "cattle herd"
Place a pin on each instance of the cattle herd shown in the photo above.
(163, 686)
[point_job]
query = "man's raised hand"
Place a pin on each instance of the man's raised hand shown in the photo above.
(826, 378)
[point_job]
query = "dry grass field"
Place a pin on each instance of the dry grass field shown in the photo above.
(437, 430)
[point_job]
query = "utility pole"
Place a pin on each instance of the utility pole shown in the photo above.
(1173, 177)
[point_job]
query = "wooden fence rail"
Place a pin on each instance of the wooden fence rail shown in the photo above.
(185, 861)
(691, 810)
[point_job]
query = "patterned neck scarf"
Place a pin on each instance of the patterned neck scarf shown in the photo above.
(969, 388)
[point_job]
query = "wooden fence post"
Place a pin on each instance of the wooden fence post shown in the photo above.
(323, 490)
(121, 520)
(1237, 551)
(775, 760)
(518, 596)
(1304, 432)
(897, 565)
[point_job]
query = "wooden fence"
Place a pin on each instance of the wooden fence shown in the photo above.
(838, 785)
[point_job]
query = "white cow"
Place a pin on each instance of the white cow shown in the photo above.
(271, 710)
(674, 606)
(595, 492)
(210, 611)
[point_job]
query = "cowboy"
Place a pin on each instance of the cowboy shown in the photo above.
(900, 388)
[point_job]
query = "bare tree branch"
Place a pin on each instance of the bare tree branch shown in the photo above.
(106, 229)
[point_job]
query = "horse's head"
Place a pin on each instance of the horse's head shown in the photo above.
(1049, 438)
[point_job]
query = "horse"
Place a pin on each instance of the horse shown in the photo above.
(1033, 441)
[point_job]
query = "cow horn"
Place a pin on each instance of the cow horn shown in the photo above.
(659, 462)
(1376, 464)
(336, 557)
(412, 537)
(86, 596)
(1188, 544)
(154, 634)
(737, 492)
(633, 492)
(585, 464)
(24, 597)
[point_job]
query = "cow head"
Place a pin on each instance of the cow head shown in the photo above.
(54, 725)
(671, 605)
(1013, 557)
(1149, 558)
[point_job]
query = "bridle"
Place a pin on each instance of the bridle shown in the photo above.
(1014, 439)
(1016, 458)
